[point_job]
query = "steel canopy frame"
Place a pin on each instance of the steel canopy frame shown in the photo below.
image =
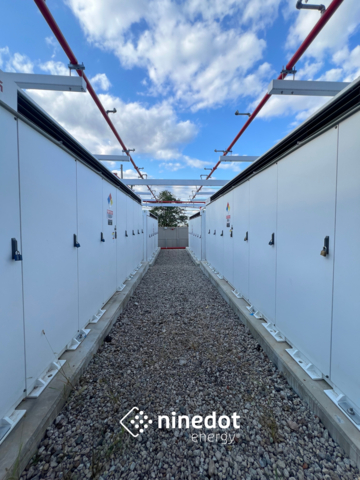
(69, 53)
(325, 17)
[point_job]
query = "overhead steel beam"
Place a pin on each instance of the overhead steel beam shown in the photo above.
(62, 83)
(178, 205)
(205, 193)
(186, 182)
(141, 193)
(238, 158)
(112, 158)
(305, 87)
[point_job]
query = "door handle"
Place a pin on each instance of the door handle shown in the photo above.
(325, 250)
(272, 241)
(16, 255)
(102, 237)
(76, 243)
(246, 237)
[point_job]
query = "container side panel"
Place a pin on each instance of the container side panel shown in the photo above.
(262, 255)
(48, 220)
(345, 358)
(12, 360)
(227, 213)
(109, 246)
(241, 246)
(89, 201)
(121, 239)
(306, 215)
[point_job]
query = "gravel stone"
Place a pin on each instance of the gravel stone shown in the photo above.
(179, 347)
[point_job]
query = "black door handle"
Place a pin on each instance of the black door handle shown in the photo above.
(15, 254)
(325, 250)
(76, 243)
(272, 241)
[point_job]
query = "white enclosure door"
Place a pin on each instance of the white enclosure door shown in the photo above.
(109, 246)
(227, 213)
(130, 237)
(211, 236)
(240, 219)
(120, 240)
(48, 222)
(219, 239)
(345, 358)
(138, 233)
(90, 211)
(203, 235)
(306, 215)
(12, 360)
(262, 255)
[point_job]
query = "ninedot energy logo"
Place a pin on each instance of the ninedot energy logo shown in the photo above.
(136, 422)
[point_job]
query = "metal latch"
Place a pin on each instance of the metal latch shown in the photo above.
(16, 255)
(272, 241)
(76, 243)
(325, 250)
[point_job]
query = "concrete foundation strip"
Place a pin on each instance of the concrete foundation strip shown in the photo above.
(23, 441)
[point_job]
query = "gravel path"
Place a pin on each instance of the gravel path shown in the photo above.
(178, 347)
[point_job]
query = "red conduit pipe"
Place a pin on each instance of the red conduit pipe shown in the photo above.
(65, 46)
(325, 17)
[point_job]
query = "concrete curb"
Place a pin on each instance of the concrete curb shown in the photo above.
(23, 441)
(193, 258)
(151, 263)
(312, 392)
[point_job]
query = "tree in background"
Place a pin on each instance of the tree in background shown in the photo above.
(169, 216)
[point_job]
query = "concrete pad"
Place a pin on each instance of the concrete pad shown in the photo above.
(339, 426)
(192, 256)
(23, 441)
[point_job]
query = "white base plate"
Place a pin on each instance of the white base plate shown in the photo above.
(237, 294)
(97, 317)
(75, 342)
(339, 398)
(305, 364)
(121, 288)
(270, 327)
(8, 423)
(42, 382)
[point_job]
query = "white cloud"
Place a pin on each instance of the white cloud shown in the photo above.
(4, 52)
(197, 51)
(334, 35)
(19, 63)
(101, 82)
(52, 43)
(54, 68)
(154, 131)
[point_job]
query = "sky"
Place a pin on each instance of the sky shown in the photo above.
(176, 72)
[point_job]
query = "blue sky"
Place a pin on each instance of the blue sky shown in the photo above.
(177, 71)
